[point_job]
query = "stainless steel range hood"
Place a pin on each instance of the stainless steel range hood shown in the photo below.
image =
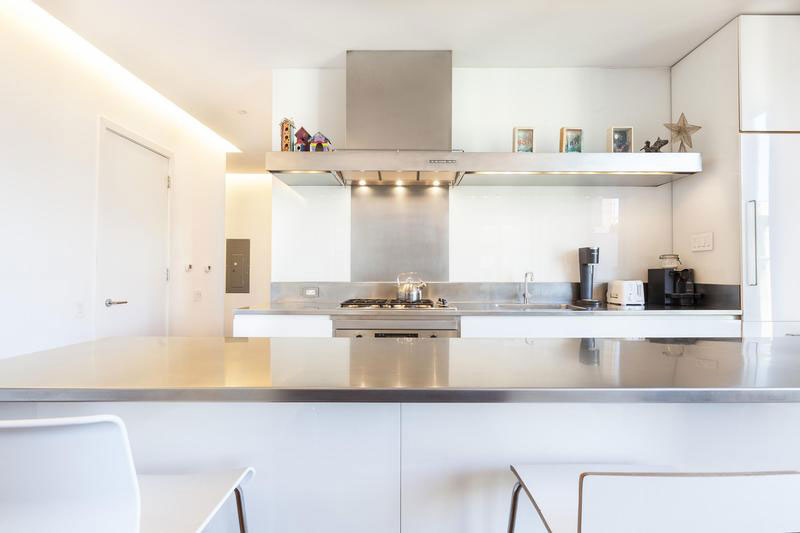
(399, 122)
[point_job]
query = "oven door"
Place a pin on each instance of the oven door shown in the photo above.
(395, 333)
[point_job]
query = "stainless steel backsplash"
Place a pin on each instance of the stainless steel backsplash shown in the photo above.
(714, 295)
(335, 292)
(399, 229)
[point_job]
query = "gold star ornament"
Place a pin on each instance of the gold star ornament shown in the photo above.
(682, 131)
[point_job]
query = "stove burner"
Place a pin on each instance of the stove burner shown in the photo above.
(386, 303)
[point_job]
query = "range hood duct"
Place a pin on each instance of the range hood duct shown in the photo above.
(399, 100)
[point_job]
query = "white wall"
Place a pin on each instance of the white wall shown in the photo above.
(310, 233)
(496, 234)
(248, 215)
(705, 88)
(314, 99)
(54, 89)
(499, 233)
(489, 102)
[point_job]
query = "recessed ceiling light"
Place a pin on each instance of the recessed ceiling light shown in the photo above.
(242, 111)
(436, 183)
(399, 183)
(362, 182)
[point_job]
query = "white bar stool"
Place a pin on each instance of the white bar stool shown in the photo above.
(612, 498)
(77, 475)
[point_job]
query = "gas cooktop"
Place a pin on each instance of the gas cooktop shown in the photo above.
(391, 303)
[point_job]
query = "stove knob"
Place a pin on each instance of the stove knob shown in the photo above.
(359, 336)
(434, 336)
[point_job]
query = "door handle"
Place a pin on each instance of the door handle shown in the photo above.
(109, 302)
(751, 253)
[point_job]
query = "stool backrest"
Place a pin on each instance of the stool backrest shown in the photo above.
(67, 475)
(688, 502)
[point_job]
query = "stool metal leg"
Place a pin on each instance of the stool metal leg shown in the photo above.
(240, 509)
(512, 515)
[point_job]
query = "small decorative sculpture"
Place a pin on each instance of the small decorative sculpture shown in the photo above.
(682, 131)
(655, 147)
(287, 135)
(301, 140)
(319, 143)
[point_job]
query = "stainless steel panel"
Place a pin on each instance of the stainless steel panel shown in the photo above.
(385, 324)
(310, 178)
(497, 168)
(486, 370)
(399, 229)
(399, 100)
(396, 333)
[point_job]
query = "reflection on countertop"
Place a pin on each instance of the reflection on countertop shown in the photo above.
(408, 370)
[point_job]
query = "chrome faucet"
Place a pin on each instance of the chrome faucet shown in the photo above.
(525, 286)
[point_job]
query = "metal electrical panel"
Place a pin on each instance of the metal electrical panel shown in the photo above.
(237, 265)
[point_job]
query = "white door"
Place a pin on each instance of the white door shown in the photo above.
(132, 239)
(771, 233)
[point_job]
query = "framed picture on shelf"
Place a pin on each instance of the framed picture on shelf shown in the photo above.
(620, 140)
(571, 140)
(523, 140)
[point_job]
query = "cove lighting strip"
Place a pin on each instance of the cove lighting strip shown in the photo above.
(32, 19)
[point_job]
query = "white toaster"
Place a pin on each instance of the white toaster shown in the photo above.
(625, 292)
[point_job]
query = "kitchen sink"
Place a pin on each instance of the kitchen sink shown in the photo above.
(540, 307)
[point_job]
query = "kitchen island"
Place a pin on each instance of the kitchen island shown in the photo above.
(417, 435)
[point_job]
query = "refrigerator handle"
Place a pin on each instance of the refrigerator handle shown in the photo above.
(752, 243)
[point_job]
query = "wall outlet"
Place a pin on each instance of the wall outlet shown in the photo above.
(197, 295)
(703, 242)
(310, 292)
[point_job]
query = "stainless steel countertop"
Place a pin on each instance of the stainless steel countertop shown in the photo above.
(408, 370)
(478, 309)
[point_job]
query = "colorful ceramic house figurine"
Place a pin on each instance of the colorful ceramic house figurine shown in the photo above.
(320, 143)
(287, 135)
(301, 140)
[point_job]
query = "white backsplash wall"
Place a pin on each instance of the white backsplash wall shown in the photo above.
(310, 233)
(499, 233)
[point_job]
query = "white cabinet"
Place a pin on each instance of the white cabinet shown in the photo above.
(770, 226)
(253, 325)
(601, 326)
(769, 72)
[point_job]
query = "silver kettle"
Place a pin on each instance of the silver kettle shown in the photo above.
(409, 287)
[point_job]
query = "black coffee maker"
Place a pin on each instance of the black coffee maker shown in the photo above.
(670, 286)
(587, 259)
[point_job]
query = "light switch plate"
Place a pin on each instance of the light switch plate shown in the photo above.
(310, 292)
(703, 242)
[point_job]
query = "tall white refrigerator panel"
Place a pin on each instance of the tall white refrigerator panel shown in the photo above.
(771, 234)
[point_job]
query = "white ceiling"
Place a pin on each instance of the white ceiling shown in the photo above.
(213, 58)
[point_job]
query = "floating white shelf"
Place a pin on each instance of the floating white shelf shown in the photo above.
(346, 167)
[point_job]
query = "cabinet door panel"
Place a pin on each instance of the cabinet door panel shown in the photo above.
(769, 72)
(600, 326)
(282, 326)
(770, 227)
